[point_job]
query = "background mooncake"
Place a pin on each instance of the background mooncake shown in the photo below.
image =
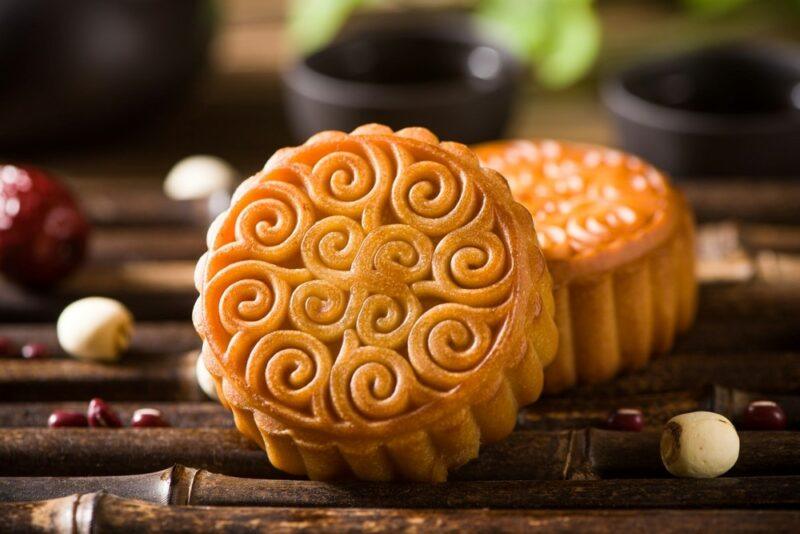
(619, 244)
(374, 305)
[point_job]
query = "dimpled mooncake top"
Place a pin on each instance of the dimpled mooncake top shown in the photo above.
(368, 294)
(593, 207)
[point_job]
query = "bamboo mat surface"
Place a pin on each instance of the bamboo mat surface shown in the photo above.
(559, 471)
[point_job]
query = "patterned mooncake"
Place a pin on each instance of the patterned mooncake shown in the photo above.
(619, 245)
(375, 304)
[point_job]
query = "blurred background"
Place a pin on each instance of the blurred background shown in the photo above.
(121, 89)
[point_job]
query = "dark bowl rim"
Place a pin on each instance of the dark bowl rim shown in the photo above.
(310, 83)
(632, 107)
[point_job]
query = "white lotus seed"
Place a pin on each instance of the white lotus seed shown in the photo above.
(205, 380)
(699, 445)
(199, 177)
(95, 328)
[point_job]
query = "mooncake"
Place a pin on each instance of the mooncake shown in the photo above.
(374, 305)
(619, 245)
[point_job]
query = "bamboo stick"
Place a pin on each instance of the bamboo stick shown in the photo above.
(548, 413)
(169, 377)
(149, 338)
(719, 335)
(529, 455)
(110, 245)
(710, 333)
(770, 373)
(149, 372)
(100, 512)
(128, 202)
(555, 413)
(136, 284)
(184, 486)
(187, 414)
(707, 334)
(172, 377)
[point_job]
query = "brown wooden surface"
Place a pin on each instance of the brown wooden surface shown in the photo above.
(100, 512)
(529, 455)
(550, 413)
(171, 377)
(558, 472)
(182, 486)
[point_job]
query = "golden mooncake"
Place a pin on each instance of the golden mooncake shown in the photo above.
(374, 304)
(619, 243)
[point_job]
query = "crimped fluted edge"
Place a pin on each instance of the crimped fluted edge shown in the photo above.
(679, 248)
(451, 442)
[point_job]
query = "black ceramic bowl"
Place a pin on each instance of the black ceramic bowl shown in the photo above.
(438, 73)
(732, 110)
(94, 67)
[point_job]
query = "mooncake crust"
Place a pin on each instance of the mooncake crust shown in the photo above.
(619, 243)
(374, 304)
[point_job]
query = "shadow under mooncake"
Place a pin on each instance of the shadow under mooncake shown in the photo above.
(374, 304)
(619, 243)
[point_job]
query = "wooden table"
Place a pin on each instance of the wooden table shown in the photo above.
(559, 471)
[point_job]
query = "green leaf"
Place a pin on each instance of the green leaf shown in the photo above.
(573, 45)
(313, 23)
(560, 37)
(520, 24)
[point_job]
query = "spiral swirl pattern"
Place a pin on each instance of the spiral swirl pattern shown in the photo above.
(360, 279)
(294, 367)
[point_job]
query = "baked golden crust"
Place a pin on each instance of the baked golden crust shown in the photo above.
(619, 245)
(374, 304)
